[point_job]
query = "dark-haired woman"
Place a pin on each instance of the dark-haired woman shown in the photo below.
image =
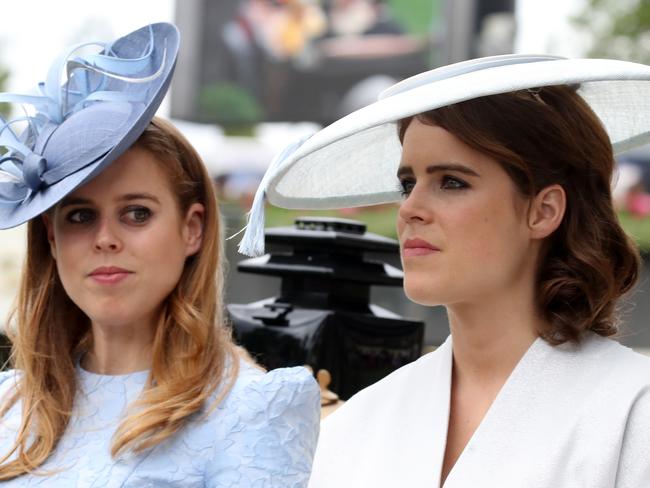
(506, 219)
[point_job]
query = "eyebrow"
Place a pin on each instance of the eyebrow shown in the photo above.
(436, 168)
(128, 197)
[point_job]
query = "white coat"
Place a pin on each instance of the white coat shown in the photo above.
(568, 416)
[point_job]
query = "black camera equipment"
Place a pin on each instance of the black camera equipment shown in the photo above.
(323, 316)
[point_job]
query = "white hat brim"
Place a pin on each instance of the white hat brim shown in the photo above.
(354, 161)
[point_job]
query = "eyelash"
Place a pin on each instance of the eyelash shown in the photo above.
(138, 208)
(71, 217)
(91, 215)
(461, 185)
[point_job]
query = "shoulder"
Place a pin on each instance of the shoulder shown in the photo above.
(609, 347)
(290, 390)
(267, 428)
(281, 399)
(634, 468)
(374, 432)
(384, 412)
(8, 382)
(610, 360)
(11, 418)
(386, 396)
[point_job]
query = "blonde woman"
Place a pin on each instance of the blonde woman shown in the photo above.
(125, 372)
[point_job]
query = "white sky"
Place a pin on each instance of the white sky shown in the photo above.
(34, 32)
(544, 27)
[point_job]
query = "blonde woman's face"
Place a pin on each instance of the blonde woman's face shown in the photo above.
(462, 225)
(120, 242)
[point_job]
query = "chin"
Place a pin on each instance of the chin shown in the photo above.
(423, 294)
(114, 316)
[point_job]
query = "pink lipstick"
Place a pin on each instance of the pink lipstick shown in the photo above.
(109, 275)
(418, 247)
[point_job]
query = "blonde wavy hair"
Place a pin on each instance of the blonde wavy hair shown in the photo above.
(193, 353)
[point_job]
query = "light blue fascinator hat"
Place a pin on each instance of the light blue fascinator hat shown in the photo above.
(96, 101)
(354, 161)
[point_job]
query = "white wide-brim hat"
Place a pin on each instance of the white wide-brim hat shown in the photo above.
(354, 161)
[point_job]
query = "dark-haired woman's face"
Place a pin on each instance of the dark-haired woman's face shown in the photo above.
(462, 224)
(120, 241)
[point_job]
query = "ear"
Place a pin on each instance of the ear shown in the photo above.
(546, 211)
(193, 228)
(47, 222)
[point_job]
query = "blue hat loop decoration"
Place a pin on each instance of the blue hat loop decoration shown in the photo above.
(34, 166)
(90, 109)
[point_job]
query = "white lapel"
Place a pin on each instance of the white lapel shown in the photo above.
(488, 449)
(421, 439)
(392, 433)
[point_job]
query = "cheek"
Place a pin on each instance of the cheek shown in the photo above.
(69, 253)
(164, 255)
(166, 241)
(481, 238)
(493, 242)
(486, 231)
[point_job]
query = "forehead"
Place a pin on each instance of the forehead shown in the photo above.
(426, 144)
(136, 170)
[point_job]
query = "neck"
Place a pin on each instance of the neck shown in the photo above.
(119, 349)
(490, 337)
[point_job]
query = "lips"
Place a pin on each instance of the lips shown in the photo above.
(418, 247)
(109, 275)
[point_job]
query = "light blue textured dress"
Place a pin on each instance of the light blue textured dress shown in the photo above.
(262, 435)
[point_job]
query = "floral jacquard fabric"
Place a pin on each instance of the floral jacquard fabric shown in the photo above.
(262, 435)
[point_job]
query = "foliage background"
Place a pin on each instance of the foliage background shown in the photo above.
(381, 220)
(618, 29)
(5, 108)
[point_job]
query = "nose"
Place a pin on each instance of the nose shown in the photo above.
(415, 208)
(107, 237)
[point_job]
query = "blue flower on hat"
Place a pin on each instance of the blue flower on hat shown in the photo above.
(82, 124)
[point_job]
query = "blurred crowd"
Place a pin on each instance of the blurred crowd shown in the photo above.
(285, 29)
(632, 186)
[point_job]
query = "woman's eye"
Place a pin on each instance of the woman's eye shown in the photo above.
(406, 187)
(452, 183)
(138, 215)
(81, 216)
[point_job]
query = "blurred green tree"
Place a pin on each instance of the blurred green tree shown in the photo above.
(230, 106)
(618, 29)
(5, 108)
(417, 16)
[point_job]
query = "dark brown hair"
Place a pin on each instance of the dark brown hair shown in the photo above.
(550, 136)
